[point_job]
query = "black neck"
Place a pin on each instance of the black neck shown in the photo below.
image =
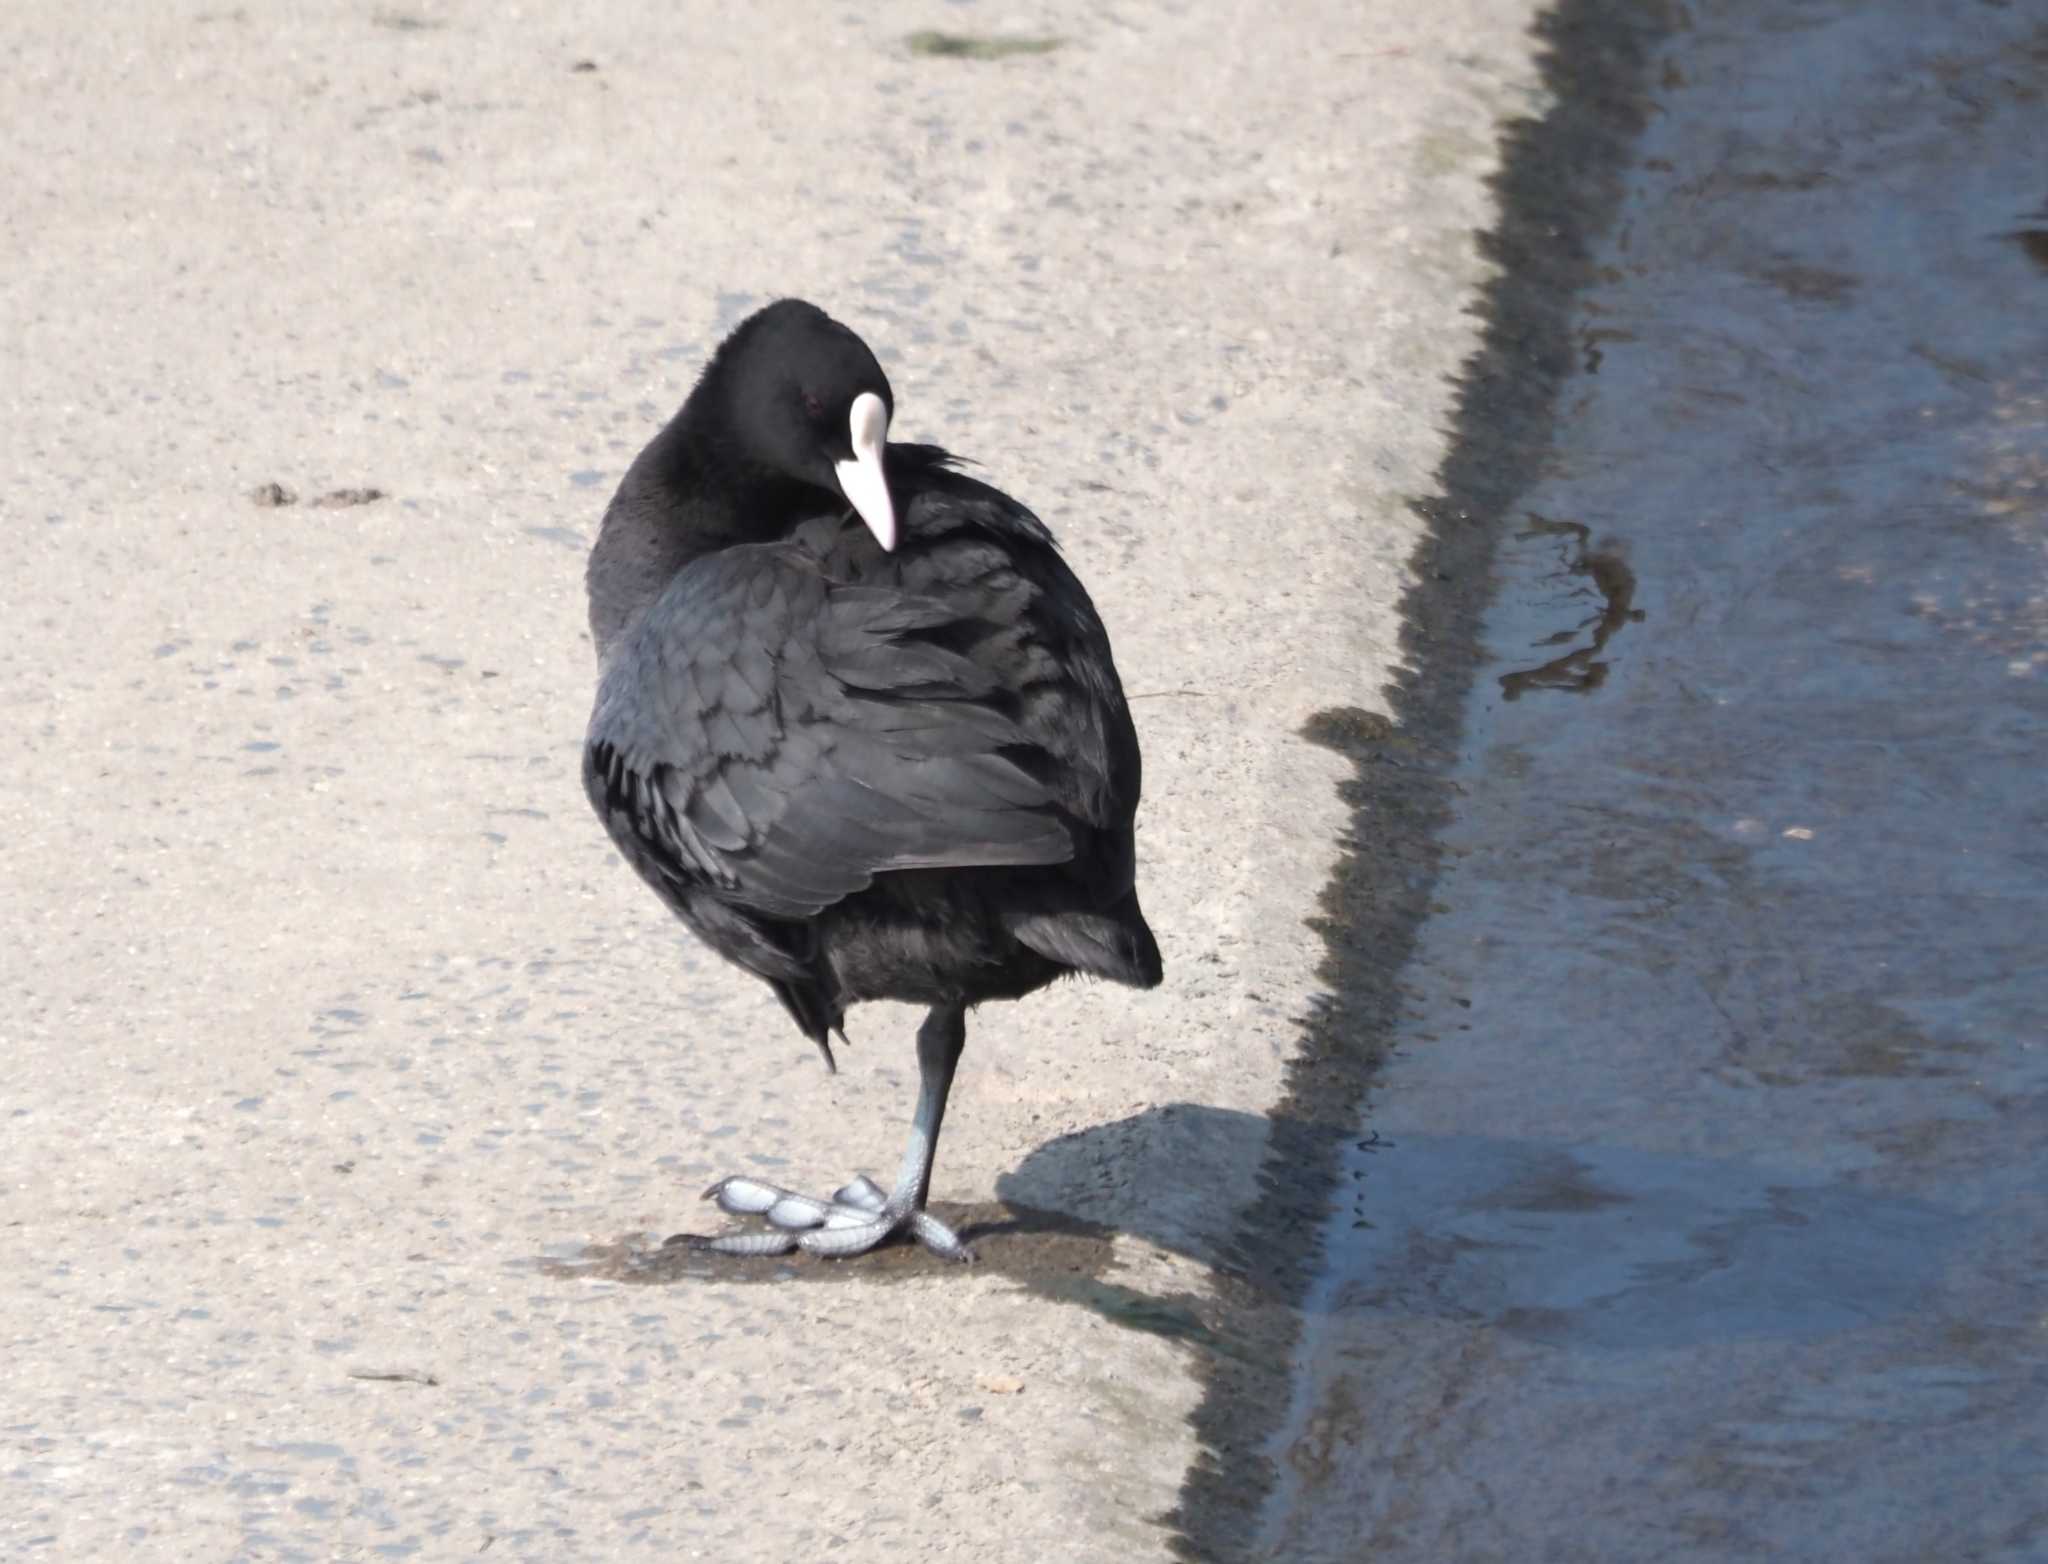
(684, 497)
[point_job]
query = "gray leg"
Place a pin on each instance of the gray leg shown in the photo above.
(859, 1216)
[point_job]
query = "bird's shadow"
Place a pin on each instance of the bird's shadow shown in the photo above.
(1178, 1176)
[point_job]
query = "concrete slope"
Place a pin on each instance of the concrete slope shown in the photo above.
(351, 1082)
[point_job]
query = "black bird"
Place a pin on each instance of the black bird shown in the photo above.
(858, 725)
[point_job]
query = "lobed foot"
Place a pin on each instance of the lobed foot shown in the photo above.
(856, 1219)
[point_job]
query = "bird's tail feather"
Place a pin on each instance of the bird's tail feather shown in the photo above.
(1117, 944)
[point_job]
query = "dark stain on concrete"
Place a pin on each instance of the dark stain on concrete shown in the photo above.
(1580, 670)
(1045, 1249)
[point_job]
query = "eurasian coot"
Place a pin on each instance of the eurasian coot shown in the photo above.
(858, 725)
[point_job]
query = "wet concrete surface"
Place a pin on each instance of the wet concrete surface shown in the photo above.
(1701, 1210)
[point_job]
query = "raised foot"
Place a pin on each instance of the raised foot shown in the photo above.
(857, 1218)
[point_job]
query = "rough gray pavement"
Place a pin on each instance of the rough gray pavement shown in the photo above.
(350, 1081)
(1706, 1217)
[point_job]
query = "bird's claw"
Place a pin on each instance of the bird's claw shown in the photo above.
(856, 1219)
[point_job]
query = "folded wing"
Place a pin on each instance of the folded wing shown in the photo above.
(778, 739)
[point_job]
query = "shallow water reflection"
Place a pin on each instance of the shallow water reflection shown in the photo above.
(1606, 1247)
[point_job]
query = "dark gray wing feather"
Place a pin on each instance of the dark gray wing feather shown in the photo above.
(778, 740)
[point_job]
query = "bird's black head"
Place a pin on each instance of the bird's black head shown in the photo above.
(794, 395)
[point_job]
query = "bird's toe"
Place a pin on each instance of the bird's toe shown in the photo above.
(857, 1218)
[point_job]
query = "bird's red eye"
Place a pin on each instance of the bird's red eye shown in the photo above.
(812, 405)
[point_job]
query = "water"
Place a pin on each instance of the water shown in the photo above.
(1706, 1216)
